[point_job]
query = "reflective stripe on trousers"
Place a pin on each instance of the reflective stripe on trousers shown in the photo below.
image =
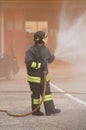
(46, 98)
(36, 101)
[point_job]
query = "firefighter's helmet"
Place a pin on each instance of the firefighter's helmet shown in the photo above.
(40, 37)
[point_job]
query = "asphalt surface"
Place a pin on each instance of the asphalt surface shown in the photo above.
(69, 94)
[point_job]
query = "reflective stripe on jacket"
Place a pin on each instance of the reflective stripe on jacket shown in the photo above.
(36, 79)
(36, 65)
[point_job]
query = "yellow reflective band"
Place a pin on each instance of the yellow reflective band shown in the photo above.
(36, 79)
(33, 65)
(37, 39)
(48, 98)
(39, 65)
(47, 77)
(45, 38)
(36, 101)
(33, 79)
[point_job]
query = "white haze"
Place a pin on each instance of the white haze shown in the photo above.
(71, 40)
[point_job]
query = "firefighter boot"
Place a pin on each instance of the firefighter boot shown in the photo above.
(37, 112)
(50, 109)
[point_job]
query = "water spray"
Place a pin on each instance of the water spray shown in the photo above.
(71, 41)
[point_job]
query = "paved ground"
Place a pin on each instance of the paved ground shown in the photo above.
(15, 98)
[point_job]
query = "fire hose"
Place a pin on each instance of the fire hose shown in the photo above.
(29, 113)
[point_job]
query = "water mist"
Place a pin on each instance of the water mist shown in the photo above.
(71, 42)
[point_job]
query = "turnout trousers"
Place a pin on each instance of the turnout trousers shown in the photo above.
(37, 91)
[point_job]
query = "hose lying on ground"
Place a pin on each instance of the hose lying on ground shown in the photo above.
(29, 113)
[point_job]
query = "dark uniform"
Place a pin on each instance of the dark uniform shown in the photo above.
(37, 59)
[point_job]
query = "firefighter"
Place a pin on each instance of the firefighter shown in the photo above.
(37, 58)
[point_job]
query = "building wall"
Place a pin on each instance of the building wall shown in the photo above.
(14, 29)
(14, 33)
(16, 13)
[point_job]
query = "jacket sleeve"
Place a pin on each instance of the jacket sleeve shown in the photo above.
(30, 61)
(51, 57)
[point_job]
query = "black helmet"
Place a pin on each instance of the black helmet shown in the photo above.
(39, 37)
